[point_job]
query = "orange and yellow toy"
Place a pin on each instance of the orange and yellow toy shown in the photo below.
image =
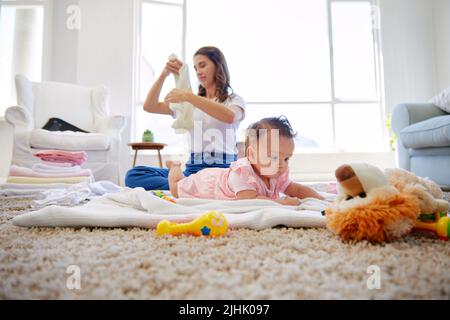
(211, 224)
(438, 223)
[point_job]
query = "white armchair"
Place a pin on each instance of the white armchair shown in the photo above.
(86, 108)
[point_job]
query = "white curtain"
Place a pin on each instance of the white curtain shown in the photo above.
(21, 40)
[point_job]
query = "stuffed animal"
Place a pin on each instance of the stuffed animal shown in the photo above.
(428, 192)
(368, 208)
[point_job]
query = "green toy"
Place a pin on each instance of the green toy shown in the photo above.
(160, 194)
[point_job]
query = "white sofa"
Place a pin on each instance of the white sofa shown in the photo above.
(83, 107)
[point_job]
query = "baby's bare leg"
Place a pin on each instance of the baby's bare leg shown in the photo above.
(175, 175)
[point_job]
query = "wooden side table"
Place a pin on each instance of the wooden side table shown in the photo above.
(147, 146)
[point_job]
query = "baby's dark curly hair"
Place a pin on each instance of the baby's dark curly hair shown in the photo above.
(280, 123)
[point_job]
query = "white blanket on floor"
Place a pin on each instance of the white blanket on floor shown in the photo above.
(139, 208)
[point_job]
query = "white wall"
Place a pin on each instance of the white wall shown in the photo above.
(441, 19)
(64, 44)
(6, 140)
(105, 56)
(408, 51)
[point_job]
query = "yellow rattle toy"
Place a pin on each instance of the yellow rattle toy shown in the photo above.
(439, 223)
(211, 224)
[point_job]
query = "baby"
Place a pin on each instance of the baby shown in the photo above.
(262, 174)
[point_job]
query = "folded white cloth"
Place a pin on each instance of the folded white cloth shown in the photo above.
(18, 171)
(183, 111)
(48, 168)
(15, 190)
(139, 208)
(50, 193)
(74, 195)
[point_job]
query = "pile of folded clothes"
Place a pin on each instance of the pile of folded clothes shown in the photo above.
(55, 167)
(57, 179)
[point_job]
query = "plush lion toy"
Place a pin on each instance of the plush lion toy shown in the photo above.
(368, 207)
(427, 191)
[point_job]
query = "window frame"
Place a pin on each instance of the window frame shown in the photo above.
(379, 87)
(46, 65)
(138, 51)
(377, 65)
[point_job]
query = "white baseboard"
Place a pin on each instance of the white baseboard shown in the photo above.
(307, 167)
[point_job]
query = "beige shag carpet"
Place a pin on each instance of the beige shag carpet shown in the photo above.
(279, 263)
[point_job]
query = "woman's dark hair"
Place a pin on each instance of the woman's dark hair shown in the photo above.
(280, 123)
(222, 73)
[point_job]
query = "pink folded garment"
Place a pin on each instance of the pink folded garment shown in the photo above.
(59, 156)
(17, 171)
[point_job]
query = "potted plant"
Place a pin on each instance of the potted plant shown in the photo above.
(148, 136)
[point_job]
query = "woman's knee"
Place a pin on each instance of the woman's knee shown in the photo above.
(131, 180)
(149, 178)
(134, 176)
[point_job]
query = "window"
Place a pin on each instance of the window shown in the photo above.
(155, 47)
(315, 61)
(21, 42)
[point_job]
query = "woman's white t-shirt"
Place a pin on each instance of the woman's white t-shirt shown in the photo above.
(211, 135)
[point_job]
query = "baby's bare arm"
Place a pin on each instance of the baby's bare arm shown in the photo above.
(252, 194)
(300, 191)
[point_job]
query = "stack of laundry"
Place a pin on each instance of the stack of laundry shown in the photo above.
(58, 193)
(57, 179)
(55, 167)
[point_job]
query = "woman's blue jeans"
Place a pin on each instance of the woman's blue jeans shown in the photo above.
(152, 178)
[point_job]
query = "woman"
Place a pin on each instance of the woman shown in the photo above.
(217, 114)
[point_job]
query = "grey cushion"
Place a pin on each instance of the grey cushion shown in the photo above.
(429, 152)
(434, 132)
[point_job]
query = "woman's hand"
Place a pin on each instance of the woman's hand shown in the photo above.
(172, 66)
(177, 96)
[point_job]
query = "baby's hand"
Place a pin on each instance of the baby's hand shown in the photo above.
(289, 201)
